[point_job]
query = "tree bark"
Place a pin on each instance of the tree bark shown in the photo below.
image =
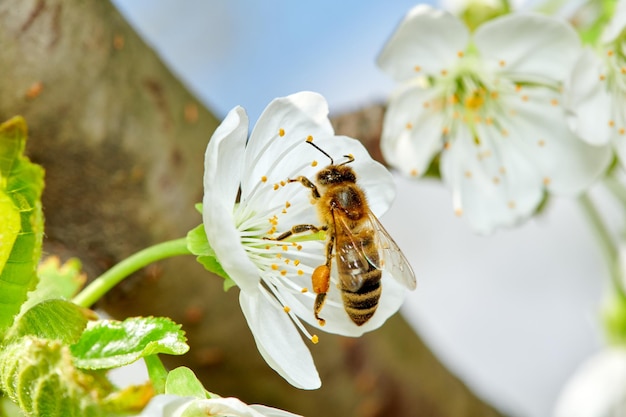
(122, 141)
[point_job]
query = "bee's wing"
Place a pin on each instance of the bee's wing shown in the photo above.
(351, 250)
(391, 257)
(349, 254)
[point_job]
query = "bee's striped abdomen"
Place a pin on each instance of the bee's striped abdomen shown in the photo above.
(362, 304)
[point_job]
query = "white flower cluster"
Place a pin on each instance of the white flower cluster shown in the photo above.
(511, 111)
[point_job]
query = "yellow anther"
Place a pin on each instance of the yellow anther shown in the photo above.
(286, 309)
(314, 163)
(301, 272)
(281, 132)
(511, 204)
(474, 102)
(309, 138)
(285, 247)
(287, 204)
(275, 267)
(315, 339)
(296, 262)
(299, 247)
(554, 102)
(276, 187)
(460, 54)
(414, 173)
(304, 290)
(502, 62)
(458, 212)
(264, 178)
(541, 142)
(409, 125)
(417, 68)
(283, 272)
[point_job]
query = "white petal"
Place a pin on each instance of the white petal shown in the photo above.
(166, 405)
(525, 46)
(232, 407)
(333, 311)
(567, 164)
(597, 387)
(278, 340)
(588, 101)
(221, 181)
(615, 27)
(618, 136)
(270, 155)
(412, 128)
(272, 412)
(493, 184)
(427, 41)
(223, 158)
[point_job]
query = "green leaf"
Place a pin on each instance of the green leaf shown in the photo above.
(109, 343)
(55, 281)
(21, 185)
(37, 374)
(183, 382)
(198, 244)
(53, 320)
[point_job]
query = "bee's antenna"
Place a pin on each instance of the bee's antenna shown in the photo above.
(322, 151)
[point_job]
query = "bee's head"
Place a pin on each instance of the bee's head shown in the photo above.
(335, 174)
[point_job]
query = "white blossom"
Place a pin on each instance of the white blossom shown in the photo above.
(596, 89)
(597, 388)
(248, 199)
(488, 104)
(174, 406)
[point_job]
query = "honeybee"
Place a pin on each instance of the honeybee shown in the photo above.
(360, 245)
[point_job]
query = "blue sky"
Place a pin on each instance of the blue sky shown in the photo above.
(245, 52)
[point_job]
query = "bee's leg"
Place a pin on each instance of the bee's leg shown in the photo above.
(300, 228)
(321, 280)
(308, 184)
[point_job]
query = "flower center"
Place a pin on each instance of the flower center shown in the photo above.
(468, 96)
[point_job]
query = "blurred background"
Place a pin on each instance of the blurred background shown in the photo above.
(512, 314)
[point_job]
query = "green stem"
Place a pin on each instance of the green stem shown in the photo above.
(156, 372)
(115, 275)
(607, 244)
